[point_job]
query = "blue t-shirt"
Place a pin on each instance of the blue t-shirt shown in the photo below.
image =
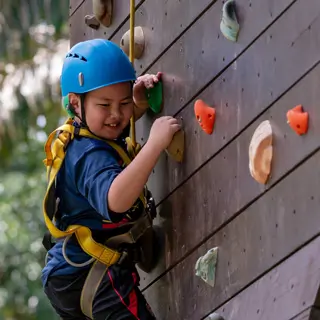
(89, 168)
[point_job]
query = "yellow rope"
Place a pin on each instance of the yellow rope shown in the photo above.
(131, 56)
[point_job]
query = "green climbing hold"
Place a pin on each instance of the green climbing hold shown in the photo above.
(206, 266)
(155, 97)
(229, 25)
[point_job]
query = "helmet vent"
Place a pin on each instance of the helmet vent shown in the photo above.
(75, 55)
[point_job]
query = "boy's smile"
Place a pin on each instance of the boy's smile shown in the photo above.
(108, 110)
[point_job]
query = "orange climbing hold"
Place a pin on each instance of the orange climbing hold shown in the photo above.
(298, 119)
(205, 115)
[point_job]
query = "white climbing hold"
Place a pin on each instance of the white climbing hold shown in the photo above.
(139, 42)
(261, 152)
(103, 11)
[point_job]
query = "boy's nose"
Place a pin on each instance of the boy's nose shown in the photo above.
(115, 114)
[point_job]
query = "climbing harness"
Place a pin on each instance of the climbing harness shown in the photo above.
(103, 255)
(53, 161)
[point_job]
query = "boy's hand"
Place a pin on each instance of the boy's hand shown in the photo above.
(139, 89)
(162, 132)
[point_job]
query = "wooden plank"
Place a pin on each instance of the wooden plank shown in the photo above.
(283, 292)
(304, 315)
(309, 314)
(272, 228)
(314, 314)
(163, 22)
(74, 5)
(215, 195)
(80, 31)
(268, 68)
(202, 52)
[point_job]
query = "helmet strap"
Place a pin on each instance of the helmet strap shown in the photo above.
(83, 123)
(83, 113)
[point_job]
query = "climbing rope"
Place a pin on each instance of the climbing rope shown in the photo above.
(131, 57)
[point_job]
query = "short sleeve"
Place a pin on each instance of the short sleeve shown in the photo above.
(95, 172)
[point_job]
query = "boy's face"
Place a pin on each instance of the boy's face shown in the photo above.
(107, 110)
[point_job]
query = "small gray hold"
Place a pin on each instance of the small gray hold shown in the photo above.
(206, 266)
(92, 22)
(214, 316)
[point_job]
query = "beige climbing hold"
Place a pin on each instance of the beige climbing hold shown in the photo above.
(103, 9)
(176, 147)
(138, 42)
(92, 22)
(261, 152)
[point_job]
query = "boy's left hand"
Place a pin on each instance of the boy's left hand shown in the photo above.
(139, 89)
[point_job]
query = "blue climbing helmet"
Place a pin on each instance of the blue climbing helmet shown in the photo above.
(91, 65)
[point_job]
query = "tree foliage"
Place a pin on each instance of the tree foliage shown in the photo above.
(21, 227)
(31, 32)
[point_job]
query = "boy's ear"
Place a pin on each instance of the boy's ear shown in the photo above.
(74, 101)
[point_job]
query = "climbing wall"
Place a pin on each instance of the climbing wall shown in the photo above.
(267, 235)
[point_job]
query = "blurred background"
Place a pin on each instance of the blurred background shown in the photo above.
(33, 42)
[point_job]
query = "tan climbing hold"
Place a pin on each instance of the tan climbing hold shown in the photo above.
(176, 147)
(138, 42)
(102, 9)
(261, 152)
(92, 22)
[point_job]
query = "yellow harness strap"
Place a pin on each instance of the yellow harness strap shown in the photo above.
(55, 155)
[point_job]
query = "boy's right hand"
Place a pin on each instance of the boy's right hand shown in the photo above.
(162, 132)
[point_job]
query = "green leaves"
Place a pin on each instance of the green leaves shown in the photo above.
(19, 37)
(22, 255)
(29, 35)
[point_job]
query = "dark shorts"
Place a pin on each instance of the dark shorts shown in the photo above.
(117, 297)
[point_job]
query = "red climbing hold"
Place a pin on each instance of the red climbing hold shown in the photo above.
(298, 120)
(205, 116)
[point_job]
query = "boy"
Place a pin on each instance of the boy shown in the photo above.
(93, 187)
